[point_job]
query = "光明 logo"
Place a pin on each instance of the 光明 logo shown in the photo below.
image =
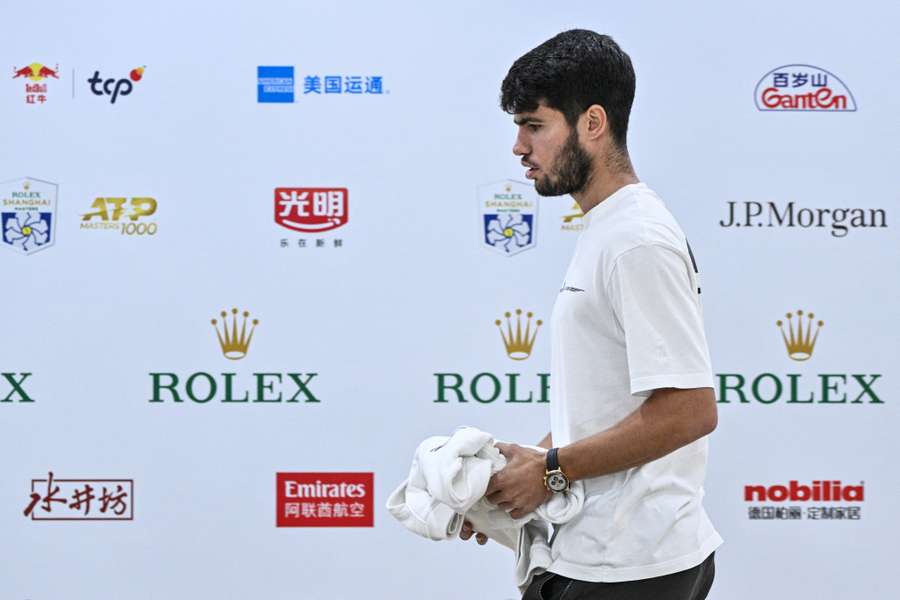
(35, 73)
(803, 88)
(234, 345)
(311, 210)
(27, 214)
(508, 216)
(113, 87)
(518, 343)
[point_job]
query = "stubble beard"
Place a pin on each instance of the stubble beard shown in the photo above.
(570, 172)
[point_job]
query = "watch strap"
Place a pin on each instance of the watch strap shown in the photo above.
(552, 459)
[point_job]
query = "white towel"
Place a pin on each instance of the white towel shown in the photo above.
(446, 484)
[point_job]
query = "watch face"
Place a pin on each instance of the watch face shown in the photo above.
(557, 482)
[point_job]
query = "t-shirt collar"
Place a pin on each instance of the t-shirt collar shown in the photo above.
(606, 205)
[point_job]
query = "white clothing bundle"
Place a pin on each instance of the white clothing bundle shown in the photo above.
(446, 485)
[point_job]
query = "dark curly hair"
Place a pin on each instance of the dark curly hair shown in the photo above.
(570, 72)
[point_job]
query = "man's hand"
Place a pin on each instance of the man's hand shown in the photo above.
(467, 531)
(519, 488)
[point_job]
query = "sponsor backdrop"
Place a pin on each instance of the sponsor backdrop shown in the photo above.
(253, 255)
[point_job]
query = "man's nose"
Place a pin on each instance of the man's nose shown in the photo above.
(520, 148)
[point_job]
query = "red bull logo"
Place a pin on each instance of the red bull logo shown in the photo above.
(803, 88)
(36, 76)
(36, 72)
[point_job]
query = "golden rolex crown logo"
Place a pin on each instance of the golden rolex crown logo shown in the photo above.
(518, 343)
(234, 346)
(800, 343)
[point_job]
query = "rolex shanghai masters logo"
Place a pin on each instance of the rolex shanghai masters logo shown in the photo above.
(508, 216)
(27, 214)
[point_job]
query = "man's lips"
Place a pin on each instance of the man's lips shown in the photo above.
(531, 170)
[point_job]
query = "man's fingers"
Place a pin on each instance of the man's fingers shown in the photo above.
(493, 484)
(495, 498)
(502, 447)
(466, 531)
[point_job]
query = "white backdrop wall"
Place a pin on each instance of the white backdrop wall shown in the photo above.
(413, 290)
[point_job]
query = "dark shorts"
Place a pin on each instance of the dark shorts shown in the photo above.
(692, 584)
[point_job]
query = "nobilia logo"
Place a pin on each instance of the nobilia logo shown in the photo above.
(803, 88)
(794, 491)
(799, 331)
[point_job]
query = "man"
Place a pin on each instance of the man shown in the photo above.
(631, 395)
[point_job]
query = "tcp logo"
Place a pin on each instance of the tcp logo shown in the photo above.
(115, 87)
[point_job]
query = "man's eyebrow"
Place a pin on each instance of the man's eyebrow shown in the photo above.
(524, 120)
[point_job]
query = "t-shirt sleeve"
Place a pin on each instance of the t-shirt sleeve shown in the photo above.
(656, 303)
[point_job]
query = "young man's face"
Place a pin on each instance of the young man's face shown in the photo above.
(550, 149)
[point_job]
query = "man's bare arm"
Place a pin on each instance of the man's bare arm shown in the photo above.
(668, 419)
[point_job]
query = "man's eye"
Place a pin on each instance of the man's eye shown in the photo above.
(533, 127)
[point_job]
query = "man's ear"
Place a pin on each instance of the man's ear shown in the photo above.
(595, 122)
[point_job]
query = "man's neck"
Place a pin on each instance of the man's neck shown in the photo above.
(602, 185)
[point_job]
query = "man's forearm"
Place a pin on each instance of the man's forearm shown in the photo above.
(668, 420)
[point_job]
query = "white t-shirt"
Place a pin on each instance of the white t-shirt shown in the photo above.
(627, 321)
